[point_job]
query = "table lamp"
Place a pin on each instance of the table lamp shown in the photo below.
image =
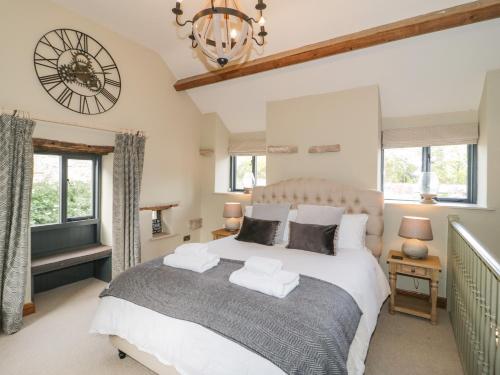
(232, 213)
(415, 230)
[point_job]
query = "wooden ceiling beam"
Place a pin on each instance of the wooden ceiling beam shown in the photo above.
(460, 15)
(49, 145)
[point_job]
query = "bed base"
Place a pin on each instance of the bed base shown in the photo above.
(127, 349)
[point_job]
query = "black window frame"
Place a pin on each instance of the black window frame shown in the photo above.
(471, 174)
(65, 222)
(232, 172)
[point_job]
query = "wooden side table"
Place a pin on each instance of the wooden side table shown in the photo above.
(427, 269)
(221, 233)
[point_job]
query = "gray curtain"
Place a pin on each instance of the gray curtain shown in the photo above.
(16, 178)
(127, 175)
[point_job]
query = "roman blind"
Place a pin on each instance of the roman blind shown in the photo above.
(255, 145)
(442, 135)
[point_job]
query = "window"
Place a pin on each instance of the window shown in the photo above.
(46, 194)
(65, 202)
(243, 168)
(63, 189)
(454, 166)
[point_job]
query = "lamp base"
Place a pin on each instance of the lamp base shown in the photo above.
(428, 198)
(232, 224)
(415, 249)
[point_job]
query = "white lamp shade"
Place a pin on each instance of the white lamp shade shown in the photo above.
(232, 210)
(416, 228)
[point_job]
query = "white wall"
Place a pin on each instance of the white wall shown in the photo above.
(147, 102)
(349, 118)
(215, 176)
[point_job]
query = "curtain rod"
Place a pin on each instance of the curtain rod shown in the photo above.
(12, 111)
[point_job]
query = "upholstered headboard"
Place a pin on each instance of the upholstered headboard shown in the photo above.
(325, 192)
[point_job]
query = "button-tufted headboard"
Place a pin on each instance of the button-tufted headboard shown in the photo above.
(325, 192)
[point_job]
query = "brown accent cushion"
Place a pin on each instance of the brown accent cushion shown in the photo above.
(258, 231)
(312, 237)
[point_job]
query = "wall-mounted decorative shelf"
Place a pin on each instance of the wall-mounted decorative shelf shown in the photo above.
(160, 217)
(162, 207)
(206, 152)
(163, 236)
(282, 149)
(324, 149)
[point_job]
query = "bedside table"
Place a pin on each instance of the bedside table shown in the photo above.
(221, 233)
(427, 269)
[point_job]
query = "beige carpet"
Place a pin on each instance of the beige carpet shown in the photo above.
(54, 341)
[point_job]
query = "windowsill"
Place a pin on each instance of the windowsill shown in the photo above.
(465, 206)
(237, 193)
(162, 236)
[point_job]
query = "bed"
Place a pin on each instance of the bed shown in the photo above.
(175, 346)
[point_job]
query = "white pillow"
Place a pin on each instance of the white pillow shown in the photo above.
(319, 215)
(352, 231)
(248, 211)
(292, 216)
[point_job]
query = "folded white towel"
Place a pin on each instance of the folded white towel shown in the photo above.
(196, 263)
(263, 266)
(278, 285)
(192, 249)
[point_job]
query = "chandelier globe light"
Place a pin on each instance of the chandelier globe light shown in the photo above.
(222, 30)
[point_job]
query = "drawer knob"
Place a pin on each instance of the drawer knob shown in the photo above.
(413, 270)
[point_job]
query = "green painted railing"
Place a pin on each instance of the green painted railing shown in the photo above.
(473, 301)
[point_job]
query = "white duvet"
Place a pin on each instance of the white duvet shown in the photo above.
(195, 350)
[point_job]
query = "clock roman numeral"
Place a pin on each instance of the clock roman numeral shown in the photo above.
(109, 96)
(52, 80)
(65, 96)
(111, 82)
(63, 35)
(83, 42)
(99, 105)
(43, 61)
(56, 50)
(84, 105)
(108, 67)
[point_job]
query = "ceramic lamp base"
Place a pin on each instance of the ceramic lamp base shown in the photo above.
(232, 224)
(428, 198)
(415, 249)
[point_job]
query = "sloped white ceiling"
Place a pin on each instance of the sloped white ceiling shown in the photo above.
(440, 72)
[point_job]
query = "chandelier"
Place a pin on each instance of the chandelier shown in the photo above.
(222, 30)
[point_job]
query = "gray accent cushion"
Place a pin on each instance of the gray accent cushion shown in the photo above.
(312, 237)
(277, 212)
(258, 231)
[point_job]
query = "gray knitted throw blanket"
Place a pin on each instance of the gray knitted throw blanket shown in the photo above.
(308, 332)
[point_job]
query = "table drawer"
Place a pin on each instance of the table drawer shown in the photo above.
(412, 270)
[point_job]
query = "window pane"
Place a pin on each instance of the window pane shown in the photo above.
(80, 188)
(450, 164)
(260, 169)
(243, 167)
(402, 169)
(46, 193)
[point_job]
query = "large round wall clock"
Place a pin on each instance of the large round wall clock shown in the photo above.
(77, 71)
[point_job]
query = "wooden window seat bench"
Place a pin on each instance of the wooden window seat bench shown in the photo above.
(60, 269)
